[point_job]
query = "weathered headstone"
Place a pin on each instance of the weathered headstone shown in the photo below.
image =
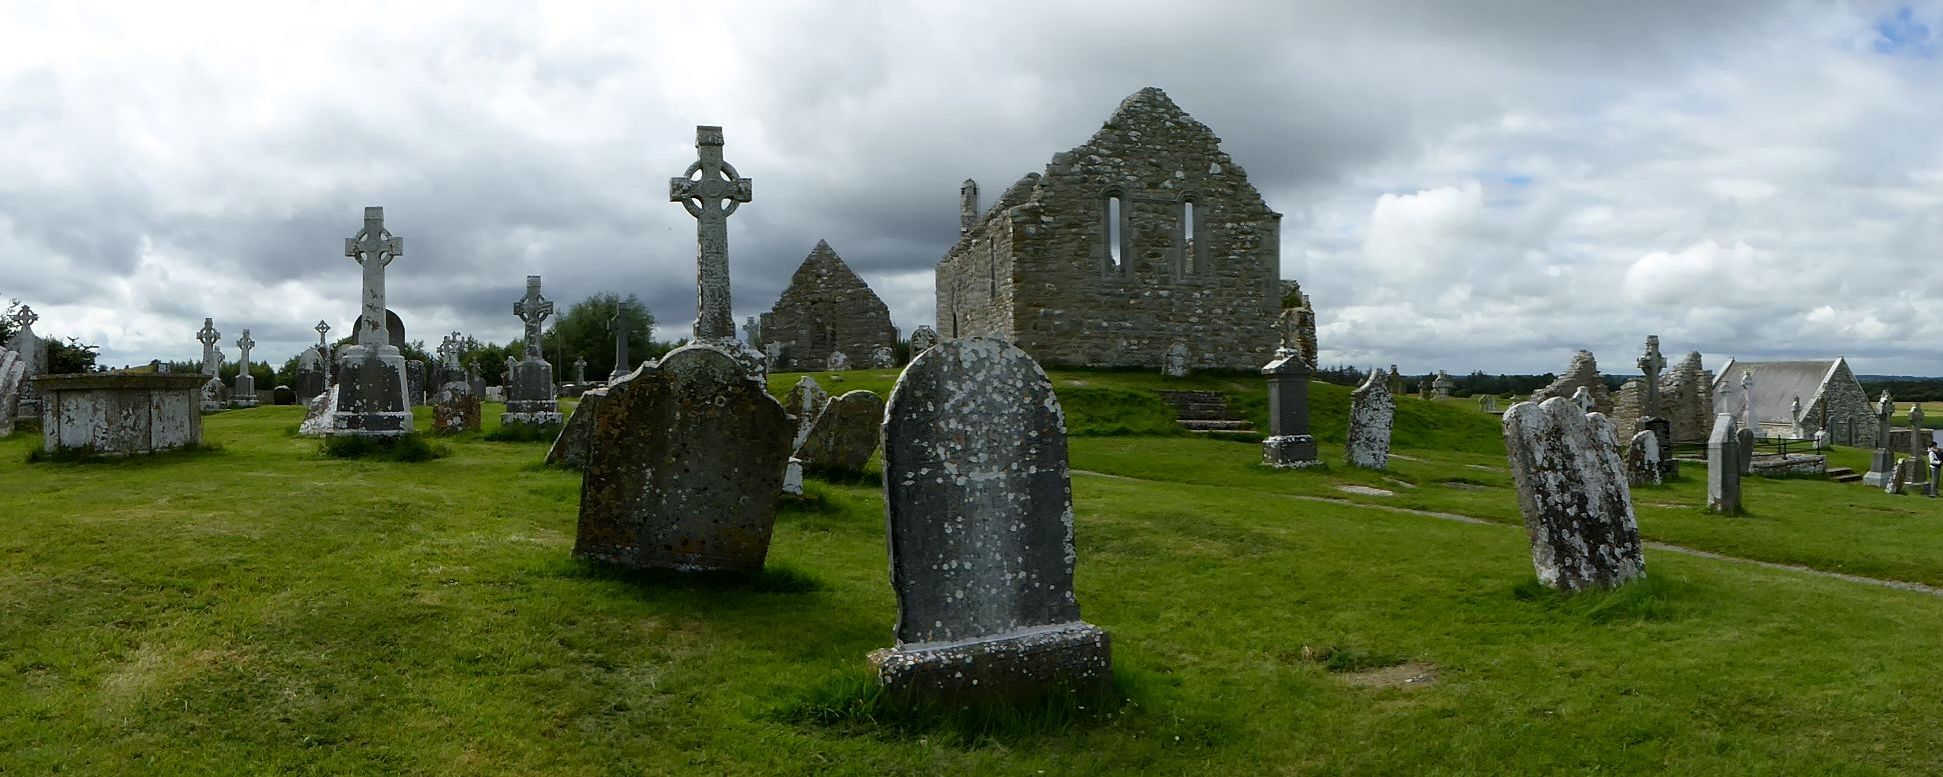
(212, 363)
(371, 391)
(980, 512)
(1900, 478)
(623, 329)
(1441, 387)
(245, 394)
(683, 468)
(313, 366)
(1572, 489)
(1749, 420)
(1662, 429)
(1174, 364)
(1882, 462)
(1651, 362)
(283, 395)
(1372, 411)
(531, 399)
(577, 434)
(882, 358)
(580, 369)
(1723, 467)
(31, 350)
(455, 409)
(804, 402)
(13, 372)
(838, 362)
(844, 435)
(1744, 448)
(1643, 460)
(415, 378)
(922, 338)
(1919, 436)
(1289, 445)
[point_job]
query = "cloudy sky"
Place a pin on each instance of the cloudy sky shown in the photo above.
(1477, 185)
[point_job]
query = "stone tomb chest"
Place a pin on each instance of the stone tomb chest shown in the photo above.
(120, 414)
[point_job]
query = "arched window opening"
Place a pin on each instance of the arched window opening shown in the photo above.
(991, 263)
(1114, 259)
(1188, 265)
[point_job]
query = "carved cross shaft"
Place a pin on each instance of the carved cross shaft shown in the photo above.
(533, 310)
(710, 190)
(1650, 365)
(373, 248)
(244, 344)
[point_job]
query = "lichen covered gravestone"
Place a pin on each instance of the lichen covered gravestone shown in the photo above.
(1724, 466)
(1372, 412)
(530, 395)
(1174, 362)
(838, 362)
(1572, 489)
(13, 372)
(1882, 461)
(120, 414)
(1744, 450)
(1643, 460)
(922, 338)
(455, 409)
(844, 435)
(980, 515)
(683, 468)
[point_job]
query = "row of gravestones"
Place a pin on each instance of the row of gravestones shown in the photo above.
(683, 465)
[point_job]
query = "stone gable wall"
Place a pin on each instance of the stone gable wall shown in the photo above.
(1040, 273)
(827, 308)
(1842, 396)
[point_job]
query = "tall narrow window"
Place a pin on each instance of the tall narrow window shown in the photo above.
(991, 262)
(1188, 265)
(1114, 259)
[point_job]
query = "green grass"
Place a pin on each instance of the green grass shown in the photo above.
(258, 608)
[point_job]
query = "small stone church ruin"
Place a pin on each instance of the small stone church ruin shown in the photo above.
(1144, 236)
(826, 309)
(1795, 399)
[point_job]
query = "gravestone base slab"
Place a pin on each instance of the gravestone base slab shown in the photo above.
(1882, 468)
(551, 418)
(1293, 451)
(1067, 657)
(371, 394)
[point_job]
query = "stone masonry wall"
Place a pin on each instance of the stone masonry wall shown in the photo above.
(1687, 399)
(1583, 371)
(1842, 396)
(825, 309)
(1041, 273)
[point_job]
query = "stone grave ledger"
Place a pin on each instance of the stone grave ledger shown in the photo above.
(684, 466)
(980, 515)
(116, 414)
(1572, 490)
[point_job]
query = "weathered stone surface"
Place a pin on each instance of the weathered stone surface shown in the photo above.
(883, 358)
(1901, 477)
(804, 402)
(1583, 372)
(1289, 444)
(455, 409)
(114, 414)
(31, 350)
(793, 477)
(318, 413)
(1643, 460)
(1174, 363)
(1372, 411)
(1442, 386)
(922, 338)
(683, 470)
(245, 394)
(1297, 322)
(371, 375)
(1744, 448)
(415, 378)
(980, 511)
(825, 309)
(1662, 430)
(1572, 489)
(576, 437)
(838, 362)
(13, 372)
(844, 435)
(1197, 256)
(1723, 467)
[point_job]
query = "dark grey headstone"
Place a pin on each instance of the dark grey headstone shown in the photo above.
(1662, 430)
(980, 516)
(415, 382)
(1573, 492)
(1724, 466)
(309, 384)
(577, 434)
(1745, 448)
(282, 395)
(371, 395)
(1289, 444)
(844, 435)
(684, 466)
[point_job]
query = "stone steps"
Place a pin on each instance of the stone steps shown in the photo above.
(1205, 412)
(1843, 475)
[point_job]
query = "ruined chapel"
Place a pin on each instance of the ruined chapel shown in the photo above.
(826, 309)
(1145, 236)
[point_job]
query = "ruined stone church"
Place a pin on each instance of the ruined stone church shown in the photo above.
(826, 309)
(1146, 236)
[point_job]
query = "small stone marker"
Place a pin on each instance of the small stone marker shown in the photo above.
(805, 401)
(1289, 445)
(838, 362)
(1572, 488)
(683, 468)
(245, 394)
(1643, 460)
(1442, 386)
(844, 435)
(282, 395)
(1175, 361)
(455, 409)
(1372, 411)
(1723, 467)
(577, 435)
(1900, 479)
(922, 338)
(980, 512)
(883, 358)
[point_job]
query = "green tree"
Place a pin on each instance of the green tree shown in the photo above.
(70, 355)
(586, 331)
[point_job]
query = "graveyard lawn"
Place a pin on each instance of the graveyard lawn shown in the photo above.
(259, 608)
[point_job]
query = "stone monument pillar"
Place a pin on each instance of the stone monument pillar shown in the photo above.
(244, 395)
(711, 190)
(33, 360)
(621, 332)
(371, 393)
(967, 205)
(1748, 419)
(212, 365)
(1289, 445)
(530, 396)
(579, 369)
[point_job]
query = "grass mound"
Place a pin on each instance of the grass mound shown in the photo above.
(406, 448)
(87, 454)
(855, 703)
(1107, 412)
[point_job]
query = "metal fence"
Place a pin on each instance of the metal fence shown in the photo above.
(1769, 446)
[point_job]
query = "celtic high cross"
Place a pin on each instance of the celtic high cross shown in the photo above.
(208, 337)
(1650, 364)
(533, 310)
(711, 190)
(373, 249)
(244, 344)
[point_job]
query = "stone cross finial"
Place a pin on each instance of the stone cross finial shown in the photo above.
(25, 317)
(373, 248)
(752, 330)
(244, 344)
(580, 369)
(208, 336)
(620, 326)
(711, 190)
(533, 310)
(1650, 364)
(323, 328)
